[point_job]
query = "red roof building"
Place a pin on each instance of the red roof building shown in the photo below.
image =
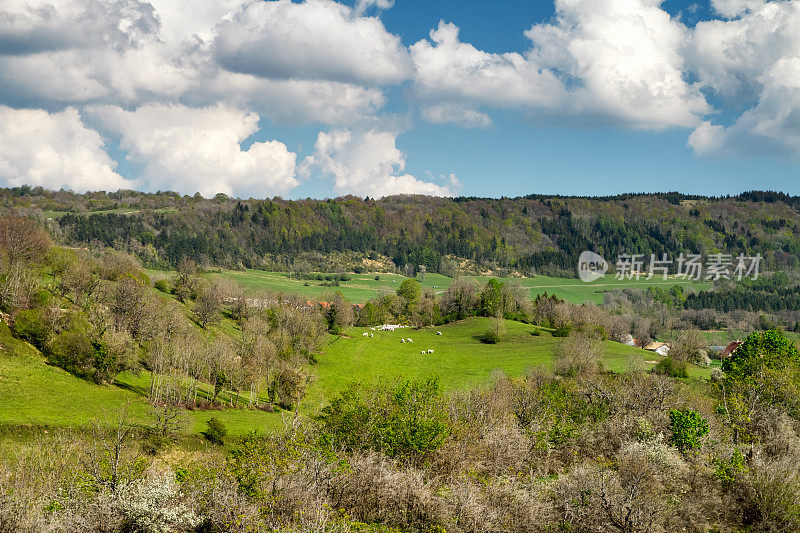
(729, 349)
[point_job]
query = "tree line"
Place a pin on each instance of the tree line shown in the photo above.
(533, 234)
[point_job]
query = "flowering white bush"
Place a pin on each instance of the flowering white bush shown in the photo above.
(152, 505)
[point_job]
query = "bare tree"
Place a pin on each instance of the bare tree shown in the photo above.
(22, 240)
(129, 305)
(208, 304)
(185, 280)
(461, 298)
(110, 463)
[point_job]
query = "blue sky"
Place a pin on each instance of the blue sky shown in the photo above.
(373, 97)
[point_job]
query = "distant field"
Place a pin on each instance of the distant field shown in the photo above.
(117, 211)
(460, 360)
(34, 393)
(364, 287)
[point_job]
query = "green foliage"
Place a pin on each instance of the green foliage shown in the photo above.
(492, 298)
(763, 372)
(410, 292)
(73, 351)
(288, 387)
(215, 431)
(731, 469)
(162, 285)
(562, 330)
(671, 367)
(688, 429)
(31, 325)
(490, 337)
(404, 420)
(258, 462)
(761, 351)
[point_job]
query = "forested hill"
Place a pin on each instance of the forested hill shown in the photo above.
(532, 234)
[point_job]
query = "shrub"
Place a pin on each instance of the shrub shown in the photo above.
(31, 325)
(161, 285)
(562, 331)
(73, 352)
(688, 428)
(490, 337)
(731, 469)
(153, 505)
(215, 431)
(768, 350)
(577, 356)
(406, 420)
(670, 367)
(288, 387)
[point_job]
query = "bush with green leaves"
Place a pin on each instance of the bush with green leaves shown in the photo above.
(215, 431)
(688, 429)
(729, 469)
(31, 325)
(162, 285)
(671, 367)
(562, 331)
(406, 419)
(767, 350)
(490, 337)
(766, 362)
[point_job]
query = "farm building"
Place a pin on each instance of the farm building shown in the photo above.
(661, 348)
(729, 349)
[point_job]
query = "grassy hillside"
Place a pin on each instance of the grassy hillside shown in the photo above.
(364, 287)
(35, 393)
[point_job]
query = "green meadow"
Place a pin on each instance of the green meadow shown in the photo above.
(364, 287)
(37, 394)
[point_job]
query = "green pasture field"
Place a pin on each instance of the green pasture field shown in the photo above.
(34, 393)
(459, 359)
(364, 287)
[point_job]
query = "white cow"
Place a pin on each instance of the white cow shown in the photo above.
(430, 351)
(409, 340)
(402, 341)
(422, 352)
(438, 332)
(365, 334)
(371, 334)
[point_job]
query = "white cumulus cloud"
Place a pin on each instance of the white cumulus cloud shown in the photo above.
(54, 150)
(734, 8)
(625, 58)
(199, 149)
(456, 114)
(617, 60)
(751, 62)
(367, 163)
(316, 39)
(447, 68)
